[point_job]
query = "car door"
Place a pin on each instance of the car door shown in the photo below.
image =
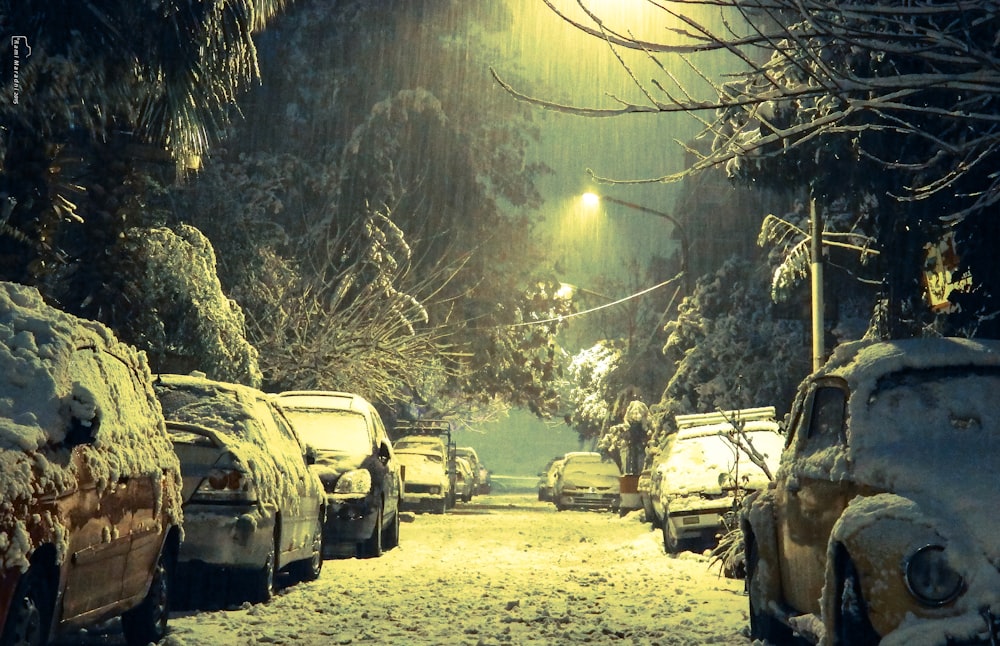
(812, 493)
(141, 493)
(98, 514)
(392, 482)
(300, 517)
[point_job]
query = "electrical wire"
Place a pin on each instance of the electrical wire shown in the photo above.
(599, 307)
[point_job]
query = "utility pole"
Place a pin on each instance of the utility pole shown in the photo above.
(816, 267)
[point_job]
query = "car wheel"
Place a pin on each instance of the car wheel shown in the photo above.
(671, 544)
(30, 613)
(763, 626)
(391, 539)
(852, 626)
(147, 622)
(441, 507)
(309, 569)
(372, 548)
(262, 584)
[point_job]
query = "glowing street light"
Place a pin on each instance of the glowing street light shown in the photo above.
(592, 200)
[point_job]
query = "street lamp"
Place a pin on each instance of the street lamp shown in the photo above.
(593, 199)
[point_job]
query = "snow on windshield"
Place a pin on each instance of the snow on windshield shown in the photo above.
(331, 430)
(703, 459)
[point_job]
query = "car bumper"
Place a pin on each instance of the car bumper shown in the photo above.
(588, 500)
(348, 520)
(227, 537)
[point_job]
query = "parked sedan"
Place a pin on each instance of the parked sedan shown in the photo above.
(882, 521)
(252, 507)
(355, 462)
(90, 506)
(587, 481)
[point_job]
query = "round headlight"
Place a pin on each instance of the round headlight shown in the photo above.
(930, 578)
(358, 481)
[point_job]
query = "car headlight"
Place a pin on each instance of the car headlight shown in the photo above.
(358, 481)
(930, 578)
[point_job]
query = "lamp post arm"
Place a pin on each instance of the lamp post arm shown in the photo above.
(680, 227)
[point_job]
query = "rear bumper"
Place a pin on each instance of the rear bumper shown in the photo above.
(226, 536)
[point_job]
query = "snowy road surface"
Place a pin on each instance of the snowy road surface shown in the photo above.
(502, 569)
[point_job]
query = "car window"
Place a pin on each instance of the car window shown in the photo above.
(332, 430)
(826, 419)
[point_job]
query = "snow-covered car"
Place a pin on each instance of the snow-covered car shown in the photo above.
(252, 507)
(465, 480)
(707, 470)
(90, 507)
(426, 482)
(355, 462)
(547, 479)
(881, 526)
(587, 481)
(478, 470)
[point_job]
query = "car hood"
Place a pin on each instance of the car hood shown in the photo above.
(423, 471)
(337, 461)
(954, 485)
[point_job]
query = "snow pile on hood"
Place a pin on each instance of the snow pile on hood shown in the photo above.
(45, 390)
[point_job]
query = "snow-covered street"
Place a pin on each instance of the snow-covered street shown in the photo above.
(503, 569)
(499, 570)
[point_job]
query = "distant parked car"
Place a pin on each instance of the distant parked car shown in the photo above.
(882, 524)
(90, 507)
(465, 480)
(478, 470)
(587, 481)
(547, 479)
(426, 482)
(356, 464)
(704, 474)
(252, 506)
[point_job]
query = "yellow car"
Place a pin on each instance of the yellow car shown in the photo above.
(881, 525)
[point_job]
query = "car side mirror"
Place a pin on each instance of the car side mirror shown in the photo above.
(384, 454)
(310, 455)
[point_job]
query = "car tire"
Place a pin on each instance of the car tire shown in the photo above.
(309, 569)
(262, 581)
(391, 539)
(30, 613)
(147, 622)
(372, 548)
(671, 544)
(852, 626)
(441, 507)
(763, 626)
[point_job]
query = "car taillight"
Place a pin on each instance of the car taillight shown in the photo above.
(229, 484)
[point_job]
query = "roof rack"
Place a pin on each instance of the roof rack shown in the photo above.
(742, 414)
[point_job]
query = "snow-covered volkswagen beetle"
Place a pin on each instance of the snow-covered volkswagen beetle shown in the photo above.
(881, 525)
(90, 508)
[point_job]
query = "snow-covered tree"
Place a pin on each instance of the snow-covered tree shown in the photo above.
(172, 306)
(730, 349)
(851, 101)
(591, 392)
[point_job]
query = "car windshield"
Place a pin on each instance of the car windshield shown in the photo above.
(331, 430)
(711, 462)
(414, 457)
(593, 467)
